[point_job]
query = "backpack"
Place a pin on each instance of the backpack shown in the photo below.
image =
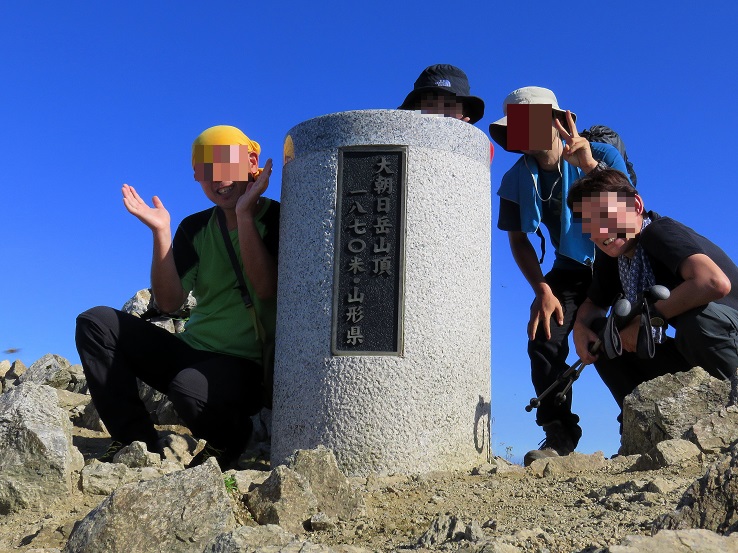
(605, 135)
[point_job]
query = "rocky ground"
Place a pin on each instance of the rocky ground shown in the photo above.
(677, 478)
(578, 503)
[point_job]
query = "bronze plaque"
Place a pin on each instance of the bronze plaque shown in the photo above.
(369, 251)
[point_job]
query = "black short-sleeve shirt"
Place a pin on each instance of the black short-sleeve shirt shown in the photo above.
(667, 243)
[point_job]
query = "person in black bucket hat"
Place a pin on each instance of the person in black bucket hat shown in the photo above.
(444, 89)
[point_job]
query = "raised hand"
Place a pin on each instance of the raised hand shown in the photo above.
(248, 201)
(156, 218)
(576, 151)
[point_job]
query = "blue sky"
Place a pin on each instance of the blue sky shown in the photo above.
(97, 95)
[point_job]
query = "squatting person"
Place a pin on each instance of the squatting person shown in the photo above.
(212, 372)
(644, 249)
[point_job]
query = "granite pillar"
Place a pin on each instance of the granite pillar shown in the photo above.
(422, 401)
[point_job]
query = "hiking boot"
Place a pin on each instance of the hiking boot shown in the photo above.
(559, 441)
(227, 459)
(113, 448)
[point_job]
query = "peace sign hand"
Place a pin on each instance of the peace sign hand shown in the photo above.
(576, 151)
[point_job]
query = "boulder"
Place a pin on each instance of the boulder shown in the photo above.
(285, 498)
(103, 478)
(250, 538)
(321, 522)
(51, 370)
(336, 497)
(666, 454)
(38, 458)
(17, 368)
(677, 541)
(4, 368)
(568, 464)
(180, 512)
(667, 407)
(158, 405)
(90, 418)
(716, 432)
(135, 455)
(247, 479)
(711, 502)
(78, 383)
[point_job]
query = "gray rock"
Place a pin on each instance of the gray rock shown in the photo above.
(711, 502)
(16, 370)
(667, 407)
(90, 418)
(70, 401)
(51, 370)
(285, 498)
(180, 512)
(716, 432)
(165, 414)
(440, 530)
(140, 303)
(666, 454)
(103, 478)
(250, 538)
(677, 541)
(473, 532)
(135, 455)
(246, 479)
(38, 458)
(4, 368)
(178, 448)
(321, 522)
(450, 527)
(158, 405)
(336, 497)
(78, 384)
(663, 485)
(568, 464)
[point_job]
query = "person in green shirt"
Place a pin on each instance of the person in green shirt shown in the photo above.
(212, 372)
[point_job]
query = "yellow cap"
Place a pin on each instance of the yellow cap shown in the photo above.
(222, 135)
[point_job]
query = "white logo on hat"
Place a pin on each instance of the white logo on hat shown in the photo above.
(444, 82)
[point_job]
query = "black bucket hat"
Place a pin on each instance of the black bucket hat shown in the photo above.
(446, 79)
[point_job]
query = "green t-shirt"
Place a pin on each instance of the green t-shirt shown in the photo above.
(220, 322)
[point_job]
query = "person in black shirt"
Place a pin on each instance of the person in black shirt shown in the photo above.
(644, 249)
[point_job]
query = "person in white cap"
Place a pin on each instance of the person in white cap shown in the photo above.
(532, 192)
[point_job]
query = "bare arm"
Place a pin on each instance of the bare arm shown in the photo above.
(258, 264)
(545, 303)
(703, 282)
(168, 292)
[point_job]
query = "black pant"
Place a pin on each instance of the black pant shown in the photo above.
(706, 337)
(548, 357)
(214, 394)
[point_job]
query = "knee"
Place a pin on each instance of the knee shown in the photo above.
(99, 315)
(703, 326)
(186, 406)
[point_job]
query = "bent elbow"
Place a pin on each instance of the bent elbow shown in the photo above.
(721, 286)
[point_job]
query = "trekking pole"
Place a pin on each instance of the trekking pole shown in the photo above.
(621, 314)
(569, 376)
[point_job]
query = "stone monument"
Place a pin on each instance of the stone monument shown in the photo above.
(383, 324)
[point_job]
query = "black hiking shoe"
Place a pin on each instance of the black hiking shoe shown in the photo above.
(113, 448)
(227, 459)
(559, 441)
